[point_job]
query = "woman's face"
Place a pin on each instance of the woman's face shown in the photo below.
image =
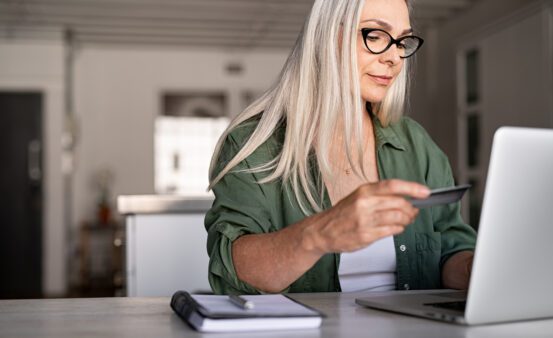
(378, 71)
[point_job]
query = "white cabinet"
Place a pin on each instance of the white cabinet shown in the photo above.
(166, 248)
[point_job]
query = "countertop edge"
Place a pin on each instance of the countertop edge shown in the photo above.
(162, 204)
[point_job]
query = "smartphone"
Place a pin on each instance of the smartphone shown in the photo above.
(441, 196)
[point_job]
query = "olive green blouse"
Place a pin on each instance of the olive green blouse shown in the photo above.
(404, 151)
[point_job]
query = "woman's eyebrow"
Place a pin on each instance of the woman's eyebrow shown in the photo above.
(387, 26)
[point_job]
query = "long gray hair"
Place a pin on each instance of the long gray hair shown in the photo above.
(317, 88)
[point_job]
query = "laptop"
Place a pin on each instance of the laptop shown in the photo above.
(512, 275)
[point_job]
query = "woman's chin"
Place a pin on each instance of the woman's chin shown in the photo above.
(373, 94)
(373, 99)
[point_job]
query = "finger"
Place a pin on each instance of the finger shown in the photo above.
(374, 234)
(402, 188)
(378, 233)
(392, 217)
(382, 203)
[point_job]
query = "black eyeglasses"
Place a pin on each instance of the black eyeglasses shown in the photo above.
(378, 41)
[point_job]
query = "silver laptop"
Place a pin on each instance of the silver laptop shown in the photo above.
(512, 276)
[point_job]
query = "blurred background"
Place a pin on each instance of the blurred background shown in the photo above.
(108, 98)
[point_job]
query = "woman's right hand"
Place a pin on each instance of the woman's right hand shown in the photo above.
(372, 212)
(272, 261)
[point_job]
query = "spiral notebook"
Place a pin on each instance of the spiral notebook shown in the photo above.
(214, 313)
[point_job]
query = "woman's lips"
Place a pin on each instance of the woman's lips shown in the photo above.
(380, 79)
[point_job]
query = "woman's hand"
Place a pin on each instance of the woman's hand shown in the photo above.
(371, 212)
(457, 270)
(272, 261)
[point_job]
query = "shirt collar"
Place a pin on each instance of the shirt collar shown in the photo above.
(387, 135)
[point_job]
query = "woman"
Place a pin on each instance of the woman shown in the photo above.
(311, 179)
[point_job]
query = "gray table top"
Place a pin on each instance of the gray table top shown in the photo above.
(152, 317)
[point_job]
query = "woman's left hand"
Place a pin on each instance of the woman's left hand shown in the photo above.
(457, 270)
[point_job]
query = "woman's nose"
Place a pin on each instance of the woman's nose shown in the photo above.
(391, 56)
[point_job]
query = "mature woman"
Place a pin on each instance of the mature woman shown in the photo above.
(311, 179)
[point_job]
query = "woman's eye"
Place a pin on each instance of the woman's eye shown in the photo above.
(373, 38)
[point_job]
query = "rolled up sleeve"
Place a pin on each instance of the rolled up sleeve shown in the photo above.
(240, 208)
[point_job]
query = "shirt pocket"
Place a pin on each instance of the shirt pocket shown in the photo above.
(429, 248)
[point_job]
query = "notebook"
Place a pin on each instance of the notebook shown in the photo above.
(511, 276)
(214, 313)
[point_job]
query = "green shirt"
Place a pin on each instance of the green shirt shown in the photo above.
(404, 151)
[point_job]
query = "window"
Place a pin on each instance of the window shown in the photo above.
(185, 137)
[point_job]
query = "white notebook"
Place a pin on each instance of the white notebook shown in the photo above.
(212, 313)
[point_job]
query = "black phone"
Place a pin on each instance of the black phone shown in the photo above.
(441, 196)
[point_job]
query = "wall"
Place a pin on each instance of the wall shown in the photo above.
(118, 97)
(38, 66)
(517, 91)
(434, 94)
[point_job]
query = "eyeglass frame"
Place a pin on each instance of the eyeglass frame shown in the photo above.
(366, 31)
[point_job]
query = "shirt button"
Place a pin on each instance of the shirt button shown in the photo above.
(402, 247)
(406, 286)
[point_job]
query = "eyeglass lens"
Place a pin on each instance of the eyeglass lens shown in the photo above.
(378, 41)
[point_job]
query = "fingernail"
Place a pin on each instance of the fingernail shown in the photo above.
(424, 190)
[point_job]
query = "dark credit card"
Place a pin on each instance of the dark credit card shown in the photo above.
(441, 196)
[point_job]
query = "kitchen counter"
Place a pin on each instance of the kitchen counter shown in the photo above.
(163, 204)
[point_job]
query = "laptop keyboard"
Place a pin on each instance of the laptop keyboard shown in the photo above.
(461, 295)
(458, 306)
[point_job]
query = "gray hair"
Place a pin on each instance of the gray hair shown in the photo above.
(318, 86)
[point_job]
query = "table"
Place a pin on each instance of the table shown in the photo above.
(152, 317)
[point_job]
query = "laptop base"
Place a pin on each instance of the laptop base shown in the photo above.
(418, 303)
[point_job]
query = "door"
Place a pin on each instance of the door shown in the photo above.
(20, 195)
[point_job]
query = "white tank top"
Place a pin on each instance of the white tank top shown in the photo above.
(370, 269)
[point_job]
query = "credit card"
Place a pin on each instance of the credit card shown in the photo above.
(441, 196)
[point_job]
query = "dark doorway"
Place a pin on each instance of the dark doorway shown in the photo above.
(21, 154)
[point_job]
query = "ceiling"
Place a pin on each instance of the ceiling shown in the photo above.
(237, 24)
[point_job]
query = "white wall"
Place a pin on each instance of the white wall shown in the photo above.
(26, 66)
(118, 95)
